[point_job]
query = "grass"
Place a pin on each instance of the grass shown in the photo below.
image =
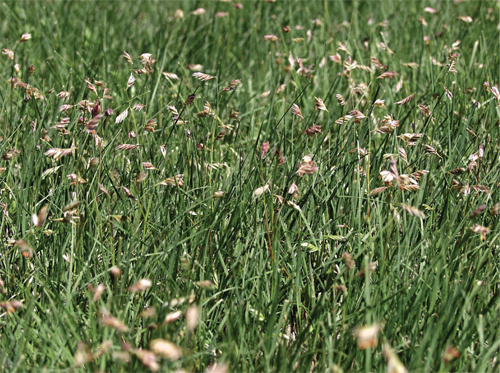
(358, 270)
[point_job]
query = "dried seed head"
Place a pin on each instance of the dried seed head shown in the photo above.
(131, 81)
(405, 100)
(264, 149)
(259, 191)
(367, 336)
(98, 292)
(307, 166)
(120, 118)
(388, 74)
(25, 37)
(127, 57)
(394, 365)
(203, 77)
(349, 262)
(314, 129)
(198, 12)
(296, 111)
(140, 286)
(82, 355)
(190, 99)
(192, 316)
(165, 349)
(148, 312)
(320, 104)
(112, 322)
(271, 37)
(450, 353)
(179, 14)
(25, 249)
(232, 86)
(149, 359)
(39, 219)
(115, 271)
(173, 316)
(413, 211)
(171, 76)
(217, 368)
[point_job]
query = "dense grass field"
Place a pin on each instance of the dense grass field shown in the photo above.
(249, 187)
